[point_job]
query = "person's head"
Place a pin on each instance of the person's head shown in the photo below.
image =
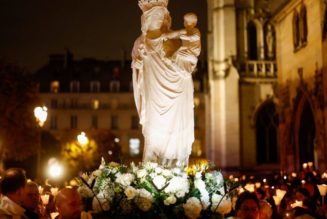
(13, 184)
(265, 209)
(68, 203)
(190, 20)
(31, 198)
(247, 206)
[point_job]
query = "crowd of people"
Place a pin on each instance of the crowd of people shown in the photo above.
(21, 198)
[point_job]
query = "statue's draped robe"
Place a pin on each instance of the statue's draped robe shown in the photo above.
(164, 98)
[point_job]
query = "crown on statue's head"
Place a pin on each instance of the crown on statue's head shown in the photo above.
(148, 4)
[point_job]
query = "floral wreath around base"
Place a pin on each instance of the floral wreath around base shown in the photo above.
(152, 191)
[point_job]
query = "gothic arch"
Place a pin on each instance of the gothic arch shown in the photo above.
(255, 42)
(304, 136)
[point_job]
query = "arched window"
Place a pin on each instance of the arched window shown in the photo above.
(74, 86)
(303, 25)
(266, 133)
(252, 41)
(95, 86)
(296, 30)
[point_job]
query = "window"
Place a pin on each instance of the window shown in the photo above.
(114, 122)
(95, 104)
(95, 86)
(134, 147)
(252, 41)
(135, 122)
(74, 86)
(303, 25)
(296, 30)
(73, 122)
(114, 86)
(94, 121)
(53, 122)
(54, 87)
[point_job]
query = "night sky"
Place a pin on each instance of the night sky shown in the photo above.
(30, 30)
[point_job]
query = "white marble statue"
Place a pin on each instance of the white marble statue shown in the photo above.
(163, 62)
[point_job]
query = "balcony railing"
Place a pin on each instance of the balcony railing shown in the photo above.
(259, 69)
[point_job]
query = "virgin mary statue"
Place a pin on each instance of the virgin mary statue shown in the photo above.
(163, 91)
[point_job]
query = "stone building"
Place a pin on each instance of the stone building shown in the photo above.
(90, 95)
(266, 101)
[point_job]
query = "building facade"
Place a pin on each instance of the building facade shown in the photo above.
(266, 102)
(89, 95)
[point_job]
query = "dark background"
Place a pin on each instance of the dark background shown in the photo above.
(30, 30)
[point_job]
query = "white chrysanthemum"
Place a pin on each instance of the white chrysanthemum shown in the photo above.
(141, 173)
(167, 173)
(225, 205)
(179, 186)
(159, 181)
(144, 200)
(130, 192)
(192, 208)
(101, 202)
(170, 200)
(150, 165)
(124, 179)
(158, 170)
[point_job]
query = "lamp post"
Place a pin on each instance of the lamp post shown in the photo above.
(40, 114)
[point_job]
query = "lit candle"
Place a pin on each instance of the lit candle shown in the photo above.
(297, 204)
(257, 185)
(310, 164)
(45, 199)
(277, 200)
(280, 193)
(40, 188)
(304, 165)
(54, 191)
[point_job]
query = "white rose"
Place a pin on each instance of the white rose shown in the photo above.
(159, 181)
(124, 179)
(170, 200)
(141, 173)
(192, 208)
(130, 192)
(167, 173)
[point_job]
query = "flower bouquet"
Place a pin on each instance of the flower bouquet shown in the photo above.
(152, 191)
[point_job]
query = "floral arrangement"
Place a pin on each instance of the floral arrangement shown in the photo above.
(152, 191)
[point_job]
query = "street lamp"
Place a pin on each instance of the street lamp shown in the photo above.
(40, 114)
(82, 139)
